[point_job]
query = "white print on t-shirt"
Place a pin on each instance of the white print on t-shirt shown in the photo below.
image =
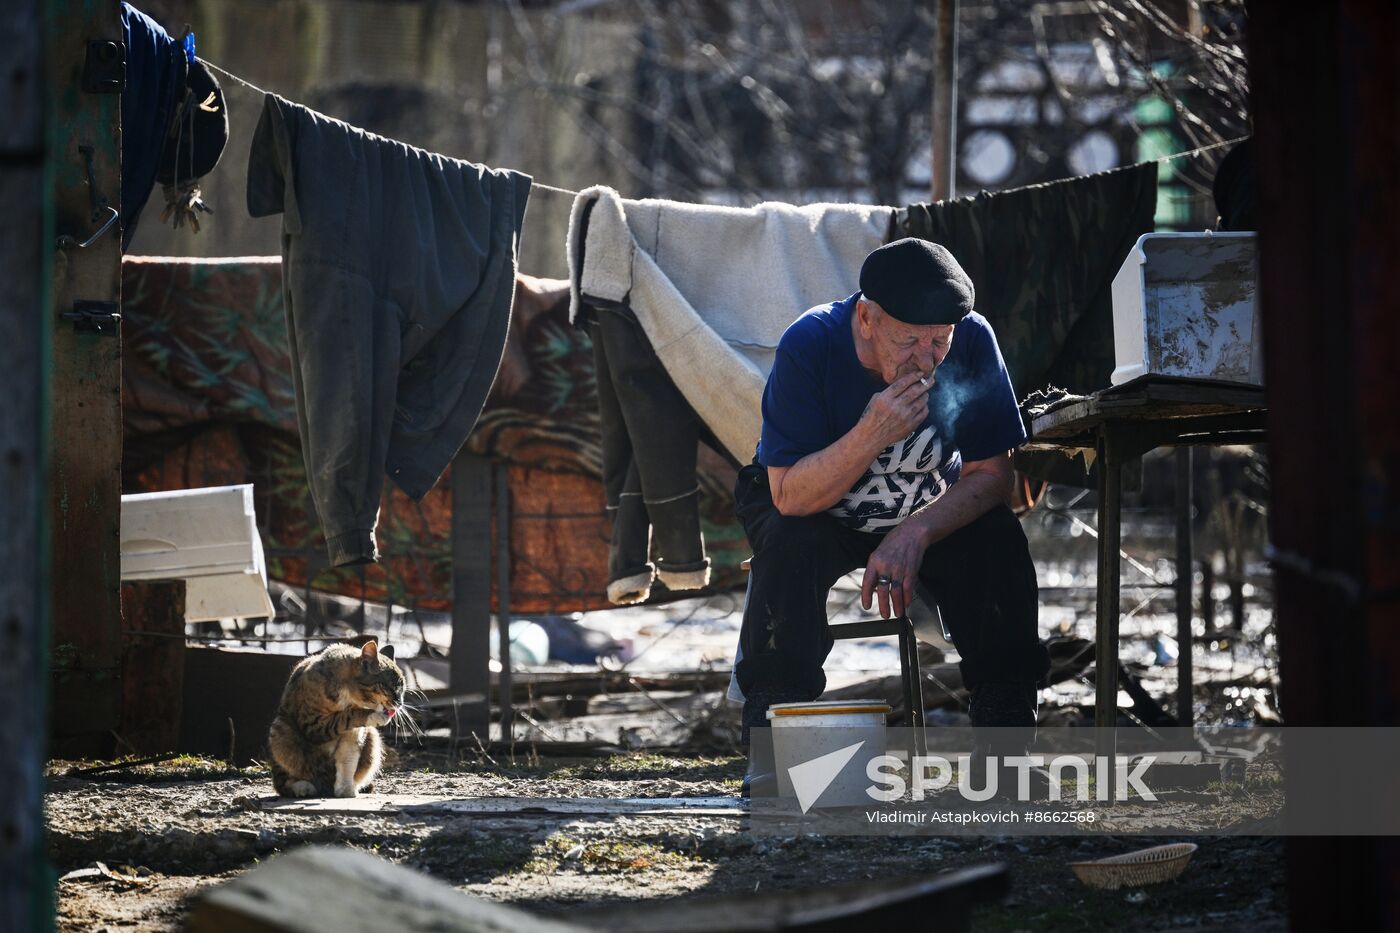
(906, 476)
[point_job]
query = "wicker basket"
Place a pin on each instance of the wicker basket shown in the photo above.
(1134, 869)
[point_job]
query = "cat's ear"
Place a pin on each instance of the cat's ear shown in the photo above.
(370, 650)
(389, 652)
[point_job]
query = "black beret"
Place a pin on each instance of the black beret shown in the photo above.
(917, 282)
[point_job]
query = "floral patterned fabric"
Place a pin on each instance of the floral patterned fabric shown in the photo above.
(207, 400)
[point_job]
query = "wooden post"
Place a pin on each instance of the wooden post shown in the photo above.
(469, 671)
(153, 666)
(1328, 196)
(26, 233)
(503, 599)
(1184, 572)
(85, 424)
(944, 127)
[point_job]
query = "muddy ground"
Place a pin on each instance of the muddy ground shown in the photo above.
(166, 832)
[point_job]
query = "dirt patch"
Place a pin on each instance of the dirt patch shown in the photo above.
(159, 904)
(170, 830)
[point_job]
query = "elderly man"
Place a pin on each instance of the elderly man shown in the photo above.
(888, 424)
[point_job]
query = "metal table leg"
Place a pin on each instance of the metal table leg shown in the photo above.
(913, 683)
(1107, 609)
(1184, 570)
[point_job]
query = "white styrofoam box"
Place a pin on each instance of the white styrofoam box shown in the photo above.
(227, 596)
(1183, 305)
(206, 537)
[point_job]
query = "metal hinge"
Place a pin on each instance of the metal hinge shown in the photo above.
(95, 317)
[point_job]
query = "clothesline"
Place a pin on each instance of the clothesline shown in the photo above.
(253, 87)
(572, 193)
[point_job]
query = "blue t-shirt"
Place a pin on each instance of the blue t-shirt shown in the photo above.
(818, 390)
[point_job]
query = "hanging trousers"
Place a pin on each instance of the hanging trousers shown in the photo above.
(650, 436)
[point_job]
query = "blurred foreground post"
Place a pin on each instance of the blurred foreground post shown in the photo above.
(1326, 101)
(84, 50)
(26, 237)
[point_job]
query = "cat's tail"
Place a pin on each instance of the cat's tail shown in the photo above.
(281, 780)
(288, 755)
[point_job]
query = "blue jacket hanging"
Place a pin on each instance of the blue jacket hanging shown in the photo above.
(155, 83)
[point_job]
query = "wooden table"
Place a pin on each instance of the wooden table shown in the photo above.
(1121, 423)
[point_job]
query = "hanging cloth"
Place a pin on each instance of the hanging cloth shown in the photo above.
(1043, 258)
(686, 303)
(398, 275)
(155, 84)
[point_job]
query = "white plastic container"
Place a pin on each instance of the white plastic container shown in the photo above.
(206, 537)
(806, 733)
(529, 643)
(1184, 305)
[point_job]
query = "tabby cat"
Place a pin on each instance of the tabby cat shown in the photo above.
(324, 739)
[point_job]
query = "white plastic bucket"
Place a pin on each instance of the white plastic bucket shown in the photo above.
(803, 733)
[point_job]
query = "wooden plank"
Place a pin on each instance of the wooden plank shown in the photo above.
(1083, 417)
(1149, 428)
(431, 675)
(25, 888)
(469, 657)
(423, 805)
(320, 888)
(1062, 421)
(1205, 391)
(942, 902)
(85, 413)
(153, 666)
(316, 889)
(1150, 399)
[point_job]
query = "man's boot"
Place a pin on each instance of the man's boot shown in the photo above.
(1003, 716)
(761, 775)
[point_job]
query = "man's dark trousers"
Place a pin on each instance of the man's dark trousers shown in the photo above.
(981, 575)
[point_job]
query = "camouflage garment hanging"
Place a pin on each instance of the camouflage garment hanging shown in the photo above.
(1043, 260)
(207, 400)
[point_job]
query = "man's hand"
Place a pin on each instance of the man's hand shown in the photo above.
(893, 414)
(982, 485)
(898, 558)
(819, 480)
